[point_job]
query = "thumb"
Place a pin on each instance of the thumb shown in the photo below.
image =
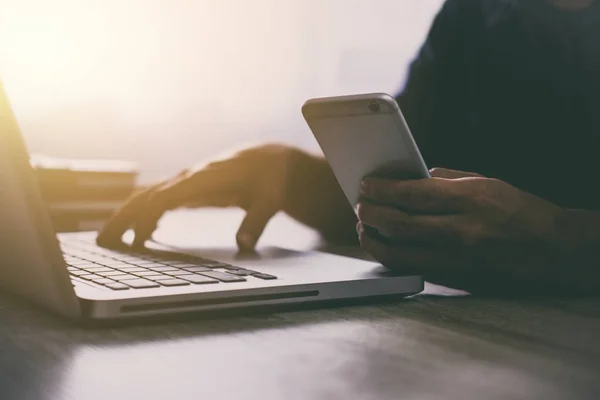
(452, 174)
(253, 225)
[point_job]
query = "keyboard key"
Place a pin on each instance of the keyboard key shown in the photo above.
(145, 273)
(173, 282)
(159, 277)
(110, 273)
(83, 264)
(98, 269)
(78, 273)
(264, 276)
(140, 283)
(115, 264)
(197, 279)
(117, 286)
(163, 268)
(102, 281)
(151, 264)
(132, 261)
(89, 277)
(215, 264)
(132, 269)
(222, 276)
(123, 277)
(187, 265)
(178, 272)
(195, 269)
(179, 263)
(240, 272)
(97, 259)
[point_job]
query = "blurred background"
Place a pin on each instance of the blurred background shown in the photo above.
(167, 83)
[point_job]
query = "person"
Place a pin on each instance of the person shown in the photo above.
(508, 89)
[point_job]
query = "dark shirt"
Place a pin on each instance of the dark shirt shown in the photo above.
(511, 90)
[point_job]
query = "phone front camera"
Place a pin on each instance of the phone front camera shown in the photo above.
(374, 106)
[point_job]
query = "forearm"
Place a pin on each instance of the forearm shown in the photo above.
(316, 200)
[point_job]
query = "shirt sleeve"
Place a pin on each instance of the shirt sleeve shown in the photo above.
(441, 62)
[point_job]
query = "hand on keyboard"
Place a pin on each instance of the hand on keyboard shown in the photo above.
(262, 180)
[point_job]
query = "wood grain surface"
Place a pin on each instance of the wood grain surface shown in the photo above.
(437, 345)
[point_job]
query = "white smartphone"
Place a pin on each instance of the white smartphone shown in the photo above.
(364, 135)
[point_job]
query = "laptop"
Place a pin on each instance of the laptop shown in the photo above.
(70, 275)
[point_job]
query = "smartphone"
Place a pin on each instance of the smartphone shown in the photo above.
(364, 135)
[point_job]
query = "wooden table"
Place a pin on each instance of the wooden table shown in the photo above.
(437, 345)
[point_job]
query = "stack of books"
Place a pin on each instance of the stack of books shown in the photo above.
(82, 194)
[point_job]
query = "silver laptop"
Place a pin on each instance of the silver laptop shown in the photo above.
(72, 276)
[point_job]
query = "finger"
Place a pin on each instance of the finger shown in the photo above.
(396, 224)
(147, 219)
(423, 259)
(115, 227)
(253, 225)
(452, 174)
(209, 187)
(435, 195)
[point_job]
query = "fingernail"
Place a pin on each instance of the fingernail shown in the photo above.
(246, 241)
(364, 187)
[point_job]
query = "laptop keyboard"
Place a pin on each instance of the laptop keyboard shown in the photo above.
(118, 270)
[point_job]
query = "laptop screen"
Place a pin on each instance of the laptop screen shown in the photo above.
(31, 263)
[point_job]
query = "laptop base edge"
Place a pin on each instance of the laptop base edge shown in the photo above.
(361, 292)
